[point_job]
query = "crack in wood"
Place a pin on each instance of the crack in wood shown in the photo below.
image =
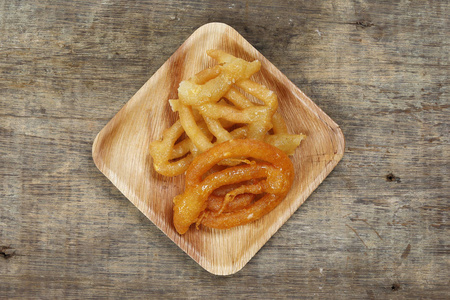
(357, 235)
(406, 252)
(370, 226)
(362, 23)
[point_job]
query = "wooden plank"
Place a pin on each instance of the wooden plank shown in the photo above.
(379, 69)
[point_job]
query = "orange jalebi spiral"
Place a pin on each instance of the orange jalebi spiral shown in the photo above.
(271, 166)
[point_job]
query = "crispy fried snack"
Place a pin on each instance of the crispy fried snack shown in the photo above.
(214, 107)
(232, 144)
(269, 170)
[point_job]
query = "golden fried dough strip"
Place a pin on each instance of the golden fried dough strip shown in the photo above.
(261, 92)
(215, 203)
(220, 55)
(210, 105)
(238, 99)
(279, 126)
(223, 111)
(192, 93)
(286, 142)
(207, 74)
(193, 131)
(216, 128)
(161, 151)
(273, 165)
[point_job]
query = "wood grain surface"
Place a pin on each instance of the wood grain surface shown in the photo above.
(376, 228)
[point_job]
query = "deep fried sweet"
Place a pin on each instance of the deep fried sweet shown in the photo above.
(271, 166)
(229, 123)
(214, 107)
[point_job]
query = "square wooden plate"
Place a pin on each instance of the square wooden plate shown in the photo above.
(120, 150)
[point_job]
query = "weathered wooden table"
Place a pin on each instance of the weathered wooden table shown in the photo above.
(377, 227)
